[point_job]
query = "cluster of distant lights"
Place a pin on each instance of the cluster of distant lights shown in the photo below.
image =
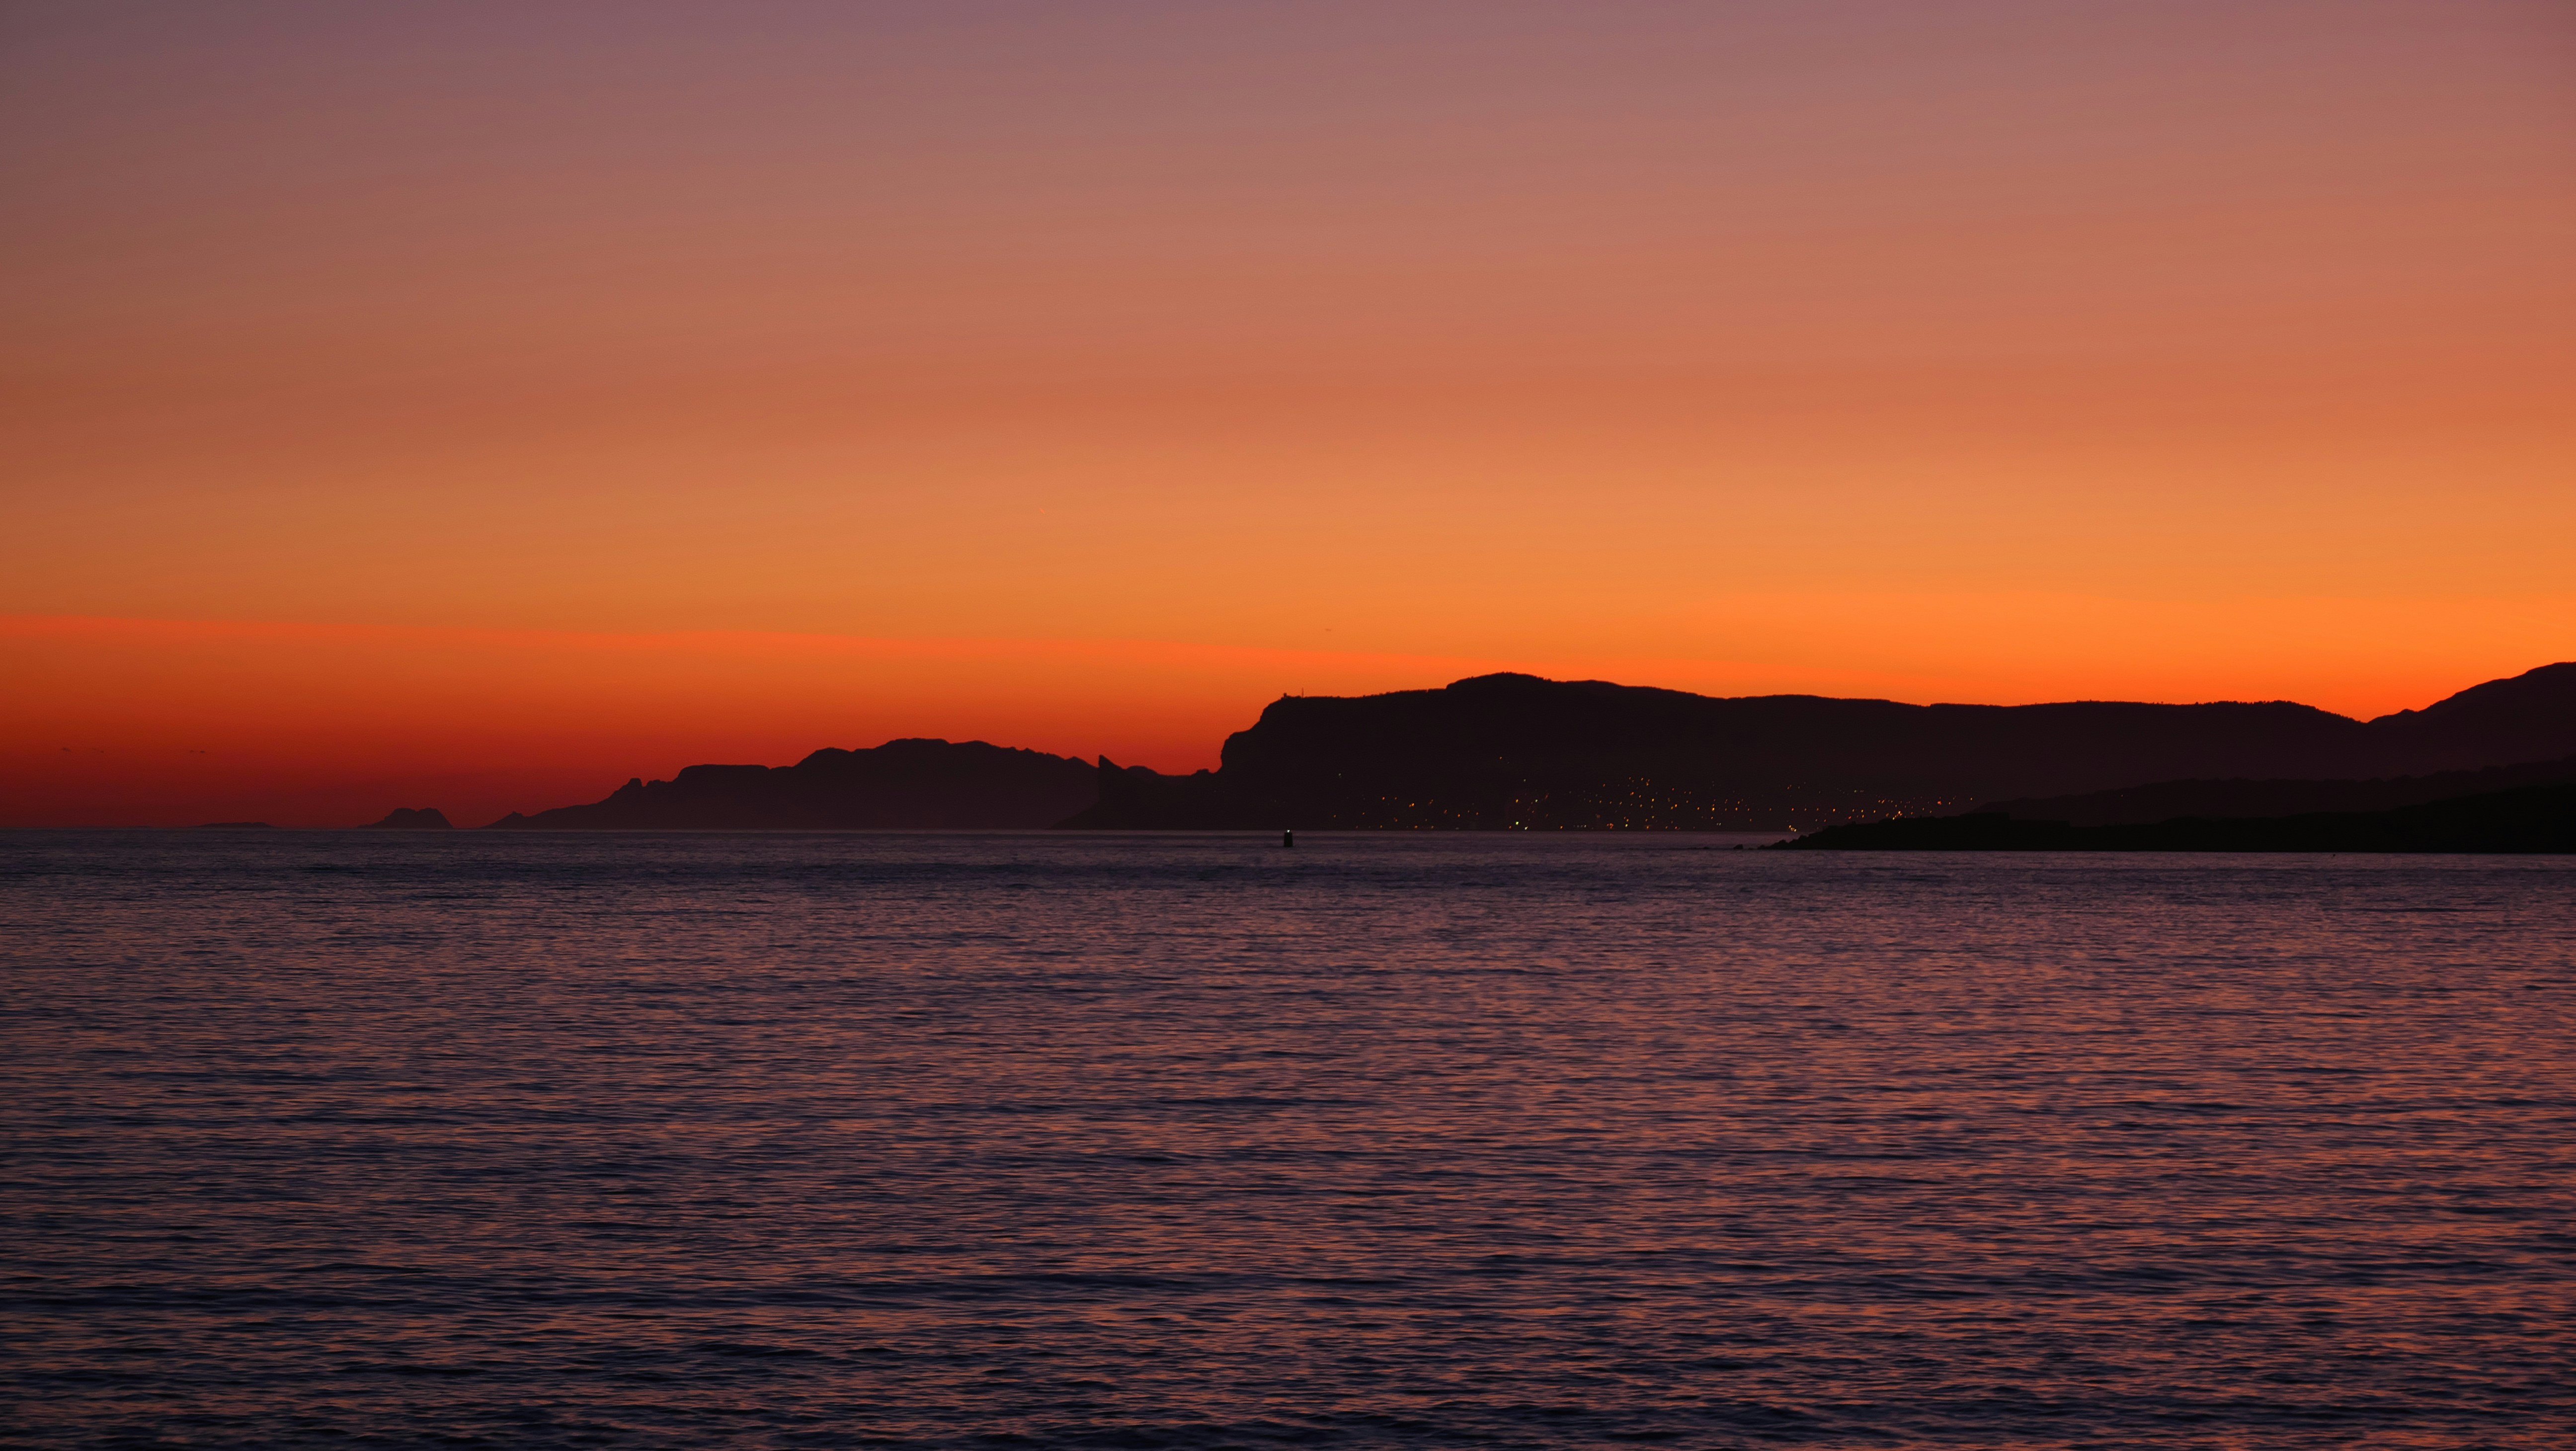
(1727, 814)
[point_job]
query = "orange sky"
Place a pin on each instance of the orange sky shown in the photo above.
(479, 406)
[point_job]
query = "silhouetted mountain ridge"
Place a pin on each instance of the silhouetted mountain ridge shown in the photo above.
(911, 783)
(1516, 751)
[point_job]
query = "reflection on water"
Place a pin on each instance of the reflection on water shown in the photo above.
(1035, 1140)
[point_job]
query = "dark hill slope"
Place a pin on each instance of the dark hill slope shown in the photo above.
(906, 783)
(2532, 819)
(2166, 800)
(2527, 717)
(1504, 751)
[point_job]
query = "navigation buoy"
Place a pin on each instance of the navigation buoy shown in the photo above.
(1287, 838)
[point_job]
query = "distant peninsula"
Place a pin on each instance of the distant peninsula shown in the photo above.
(1515, 752)
(922, 784)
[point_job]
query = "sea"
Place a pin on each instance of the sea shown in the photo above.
(357, 1139)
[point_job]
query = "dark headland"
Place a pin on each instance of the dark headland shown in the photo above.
(1515, 752)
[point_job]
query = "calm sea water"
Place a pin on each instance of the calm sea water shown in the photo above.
(904, 1140)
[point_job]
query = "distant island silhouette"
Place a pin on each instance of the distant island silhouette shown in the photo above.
(411, 818)
(1506, 752)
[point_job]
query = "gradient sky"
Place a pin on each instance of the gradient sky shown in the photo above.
(474, 405)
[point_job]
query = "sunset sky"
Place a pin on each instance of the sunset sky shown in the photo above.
(474, 405)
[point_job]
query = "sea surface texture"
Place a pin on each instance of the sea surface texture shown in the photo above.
(360, 1140)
